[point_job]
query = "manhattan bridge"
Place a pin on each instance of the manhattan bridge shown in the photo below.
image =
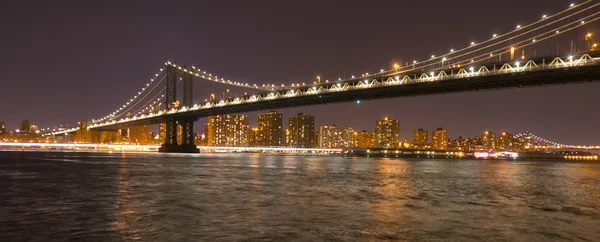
(499, 62)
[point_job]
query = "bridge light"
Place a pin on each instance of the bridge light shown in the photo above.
(472, 43)
(357, 101)
(544, 16)
(518, 26)
(451, 50)
(572, 5)
(582, 22)
(432, 56)
(494, 35)
(414, 62)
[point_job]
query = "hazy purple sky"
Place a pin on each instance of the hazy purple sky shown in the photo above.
(66, 61)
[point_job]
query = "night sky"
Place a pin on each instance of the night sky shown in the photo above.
(67, 61)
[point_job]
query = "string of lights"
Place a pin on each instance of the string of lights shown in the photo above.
(208, 76)
(126, 111)
(537, 39)
(135, 97)
(503, 38)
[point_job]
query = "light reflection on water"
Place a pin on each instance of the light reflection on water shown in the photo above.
(158, 197)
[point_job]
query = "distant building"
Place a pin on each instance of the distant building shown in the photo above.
(162, 129)
(365, 139)
(252, 136)
(333, 136)
(227, 130)
(286, 137)
(302, 131)
(420, 139)
(387, 133)
(439, 139)
(489, 139)
(3, 128)
(140, 135)
(25, 126)
(269, 131)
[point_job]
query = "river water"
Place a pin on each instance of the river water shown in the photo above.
(60, 196)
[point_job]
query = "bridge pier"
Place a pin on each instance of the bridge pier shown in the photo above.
(187, 123)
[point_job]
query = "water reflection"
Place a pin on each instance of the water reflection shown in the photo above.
(224, 197)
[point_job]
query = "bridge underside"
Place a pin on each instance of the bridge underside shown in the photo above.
(511, 80)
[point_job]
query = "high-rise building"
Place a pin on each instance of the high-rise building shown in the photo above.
(333, 136)
(387, 132)
(270, 129)
(252, 136)
(489, 140)
(366, 139)
(302, 131)
(419, 140)
(162, 129)
(140, 135)
(439, 139)
(505, 141)
(25, 126)
(2, 128)
(286, 137)
(227, 130)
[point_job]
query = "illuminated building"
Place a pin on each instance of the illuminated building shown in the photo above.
(405, 144)
(162, 128)
(489, 139)
(179, 131)
(25, 126)
(457, 144)
(141, 135)
(316, 140)
(333, 136)
(366, 139)
(2, 128)
(419, 140)
(200, 139)
(287, 137)
(228, 130)
(83, 135)
(302, 131)
(387, 133)
(439, 139)
(505, 142)
(34, 129)
(270, 129)
(252, 136)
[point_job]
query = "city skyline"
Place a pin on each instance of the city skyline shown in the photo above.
(50, 96)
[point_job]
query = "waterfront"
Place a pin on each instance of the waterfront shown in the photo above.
(50, 196)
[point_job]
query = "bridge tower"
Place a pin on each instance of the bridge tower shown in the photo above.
(171, 145)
